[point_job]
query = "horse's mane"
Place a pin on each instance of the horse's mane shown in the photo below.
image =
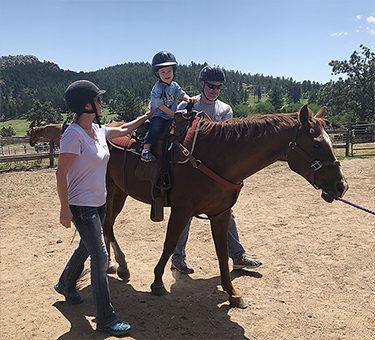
(254, 126)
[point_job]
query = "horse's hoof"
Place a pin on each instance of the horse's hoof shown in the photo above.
(123, 274)
(237, 302)
(158, 289)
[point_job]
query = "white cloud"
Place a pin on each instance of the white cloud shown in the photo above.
(358, 17)
(339, 34)
(371, 19)
(370, 31)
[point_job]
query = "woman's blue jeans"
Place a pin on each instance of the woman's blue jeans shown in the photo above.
(89, 221)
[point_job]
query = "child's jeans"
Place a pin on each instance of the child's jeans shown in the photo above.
(157, 127)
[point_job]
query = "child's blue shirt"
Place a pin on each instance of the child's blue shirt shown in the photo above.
(168, 95)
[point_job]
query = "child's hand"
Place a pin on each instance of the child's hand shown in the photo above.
(192, 100)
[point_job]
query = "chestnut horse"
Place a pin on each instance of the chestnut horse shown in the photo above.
(234, 150)
(51, 132)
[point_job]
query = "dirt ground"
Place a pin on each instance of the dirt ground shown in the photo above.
(316, 282)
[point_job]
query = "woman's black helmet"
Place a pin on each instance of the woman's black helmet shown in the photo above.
(212, 73)
(80, 93)
(163, 59)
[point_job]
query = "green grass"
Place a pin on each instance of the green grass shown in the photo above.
(25, 165)
(21, 126)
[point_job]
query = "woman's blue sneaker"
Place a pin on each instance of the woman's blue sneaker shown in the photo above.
(71, 297)
(118, 328)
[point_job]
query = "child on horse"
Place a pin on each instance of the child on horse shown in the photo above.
(164, 96)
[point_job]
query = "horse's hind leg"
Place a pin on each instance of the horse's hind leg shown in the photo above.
(115, 202)
(219, 229)
(177, 222)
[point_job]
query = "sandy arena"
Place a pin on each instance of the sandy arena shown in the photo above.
(317, 280)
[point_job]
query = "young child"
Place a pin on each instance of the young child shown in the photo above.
(164, 97)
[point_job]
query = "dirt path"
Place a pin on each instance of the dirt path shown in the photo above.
(317, 281)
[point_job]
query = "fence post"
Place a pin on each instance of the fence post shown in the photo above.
(51, 153)
(349, 141)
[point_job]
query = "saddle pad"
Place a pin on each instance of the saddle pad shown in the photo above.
(124, 142)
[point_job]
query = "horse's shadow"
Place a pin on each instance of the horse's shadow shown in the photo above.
(195, 309)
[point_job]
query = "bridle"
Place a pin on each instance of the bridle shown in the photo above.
(315, 165)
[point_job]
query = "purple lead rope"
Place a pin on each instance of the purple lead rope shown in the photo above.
(354, 205)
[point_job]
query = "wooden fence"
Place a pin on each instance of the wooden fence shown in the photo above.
(358, 137)
(26, 155)
(353, 138)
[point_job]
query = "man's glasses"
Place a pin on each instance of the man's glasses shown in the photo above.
(214, 87)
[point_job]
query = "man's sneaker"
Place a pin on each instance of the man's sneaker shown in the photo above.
(147, 156)
(246, 262)
(70, 297)
(118, 328)
(179, 263)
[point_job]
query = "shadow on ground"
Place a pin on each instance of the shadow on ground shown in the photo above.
(194, 309)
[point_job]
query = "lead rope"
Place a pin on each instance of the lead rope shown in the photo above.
(355, 205)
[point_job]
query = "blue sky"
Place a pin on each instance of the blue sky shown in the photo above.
(289, 38)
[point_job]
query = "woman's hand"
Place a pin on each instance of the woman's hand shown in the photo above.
(66, 217)
(149, 114)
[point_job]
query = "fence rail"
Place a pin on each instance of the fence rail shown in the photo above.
(347, 138)
(51, 153)
(13, 140)
(26, 157)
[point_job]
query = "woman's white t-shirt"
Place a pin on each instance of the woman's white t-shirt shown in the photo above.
(86, 176)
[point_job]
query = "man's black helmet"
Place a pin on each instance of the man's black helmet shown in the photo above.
(80, 93)
(212, 73)
(163, 59)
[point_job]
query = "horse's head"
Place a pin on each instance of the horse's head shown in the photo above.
(33, 136)
(311, 155)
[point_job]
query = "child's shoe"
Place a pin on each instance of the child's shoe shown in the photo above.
(147, 156)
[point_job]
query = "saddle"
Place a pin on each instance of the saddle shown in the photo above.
(173, 146)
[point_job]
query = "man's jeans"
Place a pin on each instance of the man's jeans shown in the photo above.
(234, 246)
(89, 221)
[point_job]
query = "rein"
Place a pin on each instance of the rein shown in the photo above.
(197, 164)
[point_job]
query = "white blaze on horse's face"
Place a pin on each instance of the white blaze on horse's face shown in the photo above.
(326, 138)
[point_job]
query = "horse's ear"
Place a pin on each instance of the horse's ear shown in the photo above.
(304, 115)
(321, 113)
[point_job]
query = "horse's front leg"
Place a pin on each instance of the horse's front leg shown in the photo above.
(219, 229)
(114, 204)
(177, 222)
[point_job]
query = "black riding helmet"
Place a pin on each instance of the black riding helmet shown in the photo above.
(163, 59)
(80, 93)
(212, 73)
